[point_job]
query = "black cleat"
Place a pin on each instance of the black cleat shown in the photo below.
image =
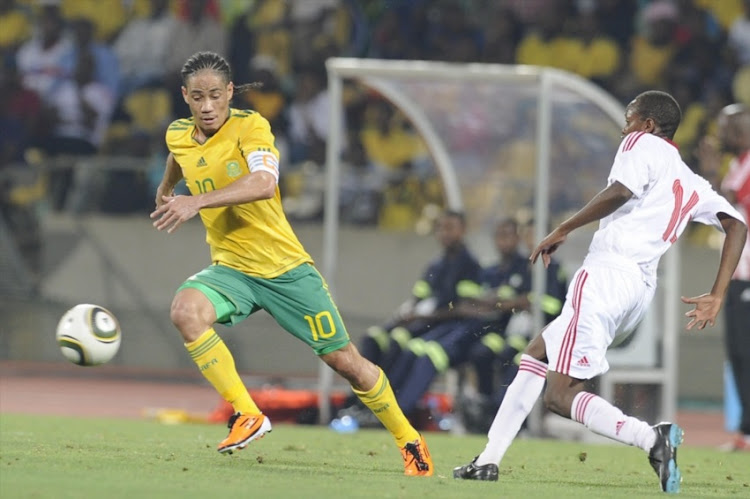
(471, 471)
(663, 456)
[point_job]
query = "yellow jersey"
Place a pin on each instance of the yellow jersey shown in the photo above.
(254, 238)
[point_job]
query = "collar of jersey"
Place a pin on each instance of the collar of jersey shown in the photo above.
(195, 127)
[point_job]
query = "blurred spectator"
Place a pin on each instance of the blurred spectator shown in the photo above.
(687, 95)
(652, 50)
(502, 34)
(309, 116)
(389, 141)
(14, 26)
(106, 67)
(695, 21)
(545, 43)
(725, 11)
(143, 46)
(83, 109)
(320, 29)
(263, 30)
(600, 56)
(20, 113)
(268, 99)
(739, 36)
(361, 187)
(41, 59)
(106, 16)
(198, 31)
(616, 18)
(452, 37)
(400, 159)
(390, 38)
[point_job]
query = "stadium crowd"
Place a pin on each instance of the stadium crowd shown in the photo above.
(88, 77)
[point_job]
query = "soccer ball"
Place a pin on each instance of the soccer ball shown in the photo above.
(88, 335)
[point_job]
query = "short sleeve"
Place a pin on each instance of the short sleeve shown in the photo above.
(711, 203)
(257, 145)
(630, 167)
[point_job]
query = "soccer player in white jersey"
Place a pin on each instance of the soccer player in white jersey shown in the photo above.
(650, 197)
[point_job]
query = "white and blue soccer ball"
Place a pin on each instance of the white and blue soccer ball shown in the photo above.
(88, 335)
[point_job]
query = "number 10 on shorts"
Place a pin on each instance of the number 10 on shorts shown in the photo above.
(319, 328)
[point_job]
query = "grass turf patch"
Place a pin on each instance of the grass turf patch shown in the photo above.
(57, 457)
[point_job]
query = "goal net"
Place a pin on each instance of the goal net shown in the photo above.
(503, 140)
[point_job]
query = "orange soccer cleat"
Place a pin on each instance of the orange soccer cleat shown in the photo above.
(417, 460)
(243, 429)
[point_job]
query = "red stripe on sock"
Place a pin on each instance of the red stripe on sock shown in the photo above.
(539, 371)
(583, 403)
(529, 359)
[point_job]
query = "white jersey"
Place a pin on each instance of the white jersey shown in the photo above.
(666, 196)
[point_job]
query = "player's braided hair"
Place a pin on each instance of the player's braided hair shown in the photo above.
(214, 62)
(662, 108)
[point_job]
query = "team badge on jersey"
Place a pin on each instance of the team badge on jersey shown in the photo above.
(233, 169)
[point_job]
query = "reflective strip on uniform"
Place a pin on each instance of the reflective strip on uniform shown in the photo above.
(468, 289)
(517, 342)
(437, 355)
(380, 336)
(494, 342)
(416, 346)
(551, 305)
(422, 289)
(401, 335)
(506, 292)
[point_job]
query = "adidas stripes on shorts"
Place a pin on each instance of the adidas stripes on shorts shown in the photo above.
(606, 299)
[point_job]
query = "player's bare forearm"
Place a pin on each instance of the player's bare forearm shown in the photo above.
(708, 305)
(736, 233)
(606, 202)
(256, 186)
(172, 175)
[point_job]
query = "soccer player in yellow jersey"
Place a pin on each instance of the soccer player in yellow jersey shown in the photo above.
(228, 160)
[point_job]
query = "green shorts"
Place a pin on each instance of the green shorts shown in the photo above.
(298, 299)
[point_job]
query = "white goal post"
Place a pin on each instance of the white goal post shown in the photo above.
(651, 357)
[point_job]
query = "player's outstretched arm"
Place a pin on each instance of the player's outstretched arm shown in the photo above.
(606, 202)
(176, 210)
(172, 175)
(256, 186)
(708, 305)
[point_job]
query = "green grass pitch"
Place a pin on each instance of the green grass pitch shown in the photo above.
(55, 457)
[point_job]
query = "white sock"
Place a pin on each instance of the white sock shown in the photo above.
(517, 404)
(603, 418)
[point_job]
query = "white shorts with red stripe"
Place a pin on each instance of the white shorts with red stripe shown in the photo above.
(607, 298)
